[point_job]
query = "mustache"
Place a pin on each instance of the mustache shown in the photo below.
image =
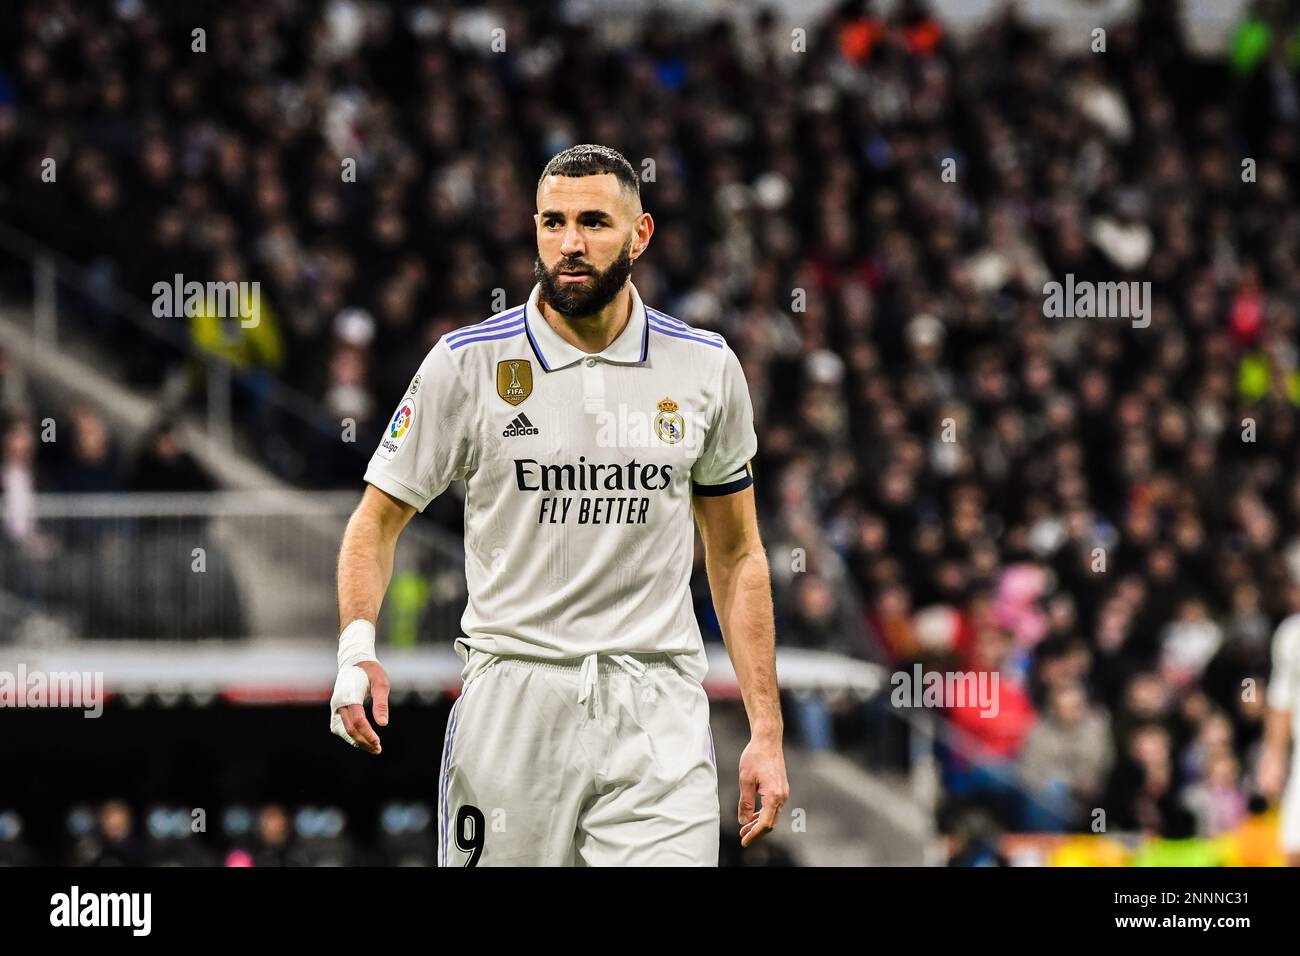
(578, 299)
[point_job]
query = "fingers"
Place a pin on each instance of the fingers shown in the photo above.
(358, 728)
(378, 691)
(348, 719)
(747, 829)
(769, 784)
(748, 798)
(336, 728)
(763, 824)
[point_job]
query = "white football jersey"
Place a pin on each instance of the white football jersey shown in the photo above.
(579, 470)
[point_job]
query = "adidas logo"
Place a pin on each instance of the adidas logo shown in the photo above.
(520, 426)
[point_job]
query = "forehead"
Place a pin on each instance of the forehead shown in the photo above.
(574, 194)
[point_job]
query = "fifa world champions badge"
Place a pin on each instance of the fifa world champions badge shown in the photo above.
(514, 380)
(669, 424)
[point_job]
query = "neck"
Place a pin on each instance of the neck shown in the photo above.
(592, 333)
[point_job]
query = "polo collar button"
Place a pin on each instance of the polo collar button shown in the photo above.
(590, 362)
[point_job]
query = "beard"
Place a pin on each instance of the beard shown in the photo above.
(578, 301)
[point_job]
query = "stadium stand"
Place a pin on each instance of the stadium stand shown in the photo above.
(1106, 514)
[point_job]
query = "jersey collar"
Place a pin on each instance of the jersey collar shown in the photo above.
(629, 348)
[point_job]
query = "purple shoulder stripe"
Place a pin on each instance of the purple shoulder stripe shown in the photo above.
(676, 333)
(488, 335)
(682, 326)
(496, 321)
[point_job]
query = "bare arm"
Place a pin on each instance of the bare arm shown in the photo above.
(365, 568)
(366, 554)
(1273, 752)
(741, 586)
(1277, 729)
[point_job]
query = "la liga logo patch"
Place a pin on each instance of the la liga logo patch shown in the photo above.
(401, 423)
(398, 428)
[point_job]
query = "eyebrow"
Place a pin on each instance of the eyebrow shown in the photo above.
(585, 214)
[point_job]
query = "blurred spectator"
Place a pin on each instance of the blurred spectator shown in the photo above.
(13, 849)
(1141, 790)
(19, 483)
(973, 836)
(1066, 758)
(164, 465)
(275, 839)
(92, 465)
(110, 838)
(1218, 802)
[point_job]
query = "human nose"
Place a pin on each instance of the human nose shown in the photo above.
(572, 245)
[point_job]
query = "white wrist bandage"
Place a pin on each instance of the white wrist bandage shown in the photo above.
(356, 644)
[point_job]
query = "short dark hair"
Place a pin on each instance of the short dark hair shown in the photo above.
(590, 160)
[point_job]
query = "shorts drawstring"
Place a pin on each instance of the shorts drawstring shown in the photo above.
(588, 678)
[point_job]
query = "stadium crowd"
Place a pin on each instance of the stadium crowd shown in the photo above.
(113, 833)
(1105, 512)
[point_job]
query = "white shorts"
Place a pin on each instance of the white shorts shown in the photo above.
(598, 761)
(1291, 812)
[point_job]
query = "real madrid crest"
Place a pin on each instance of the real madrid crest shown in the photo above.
(669, 424)
(514, 380)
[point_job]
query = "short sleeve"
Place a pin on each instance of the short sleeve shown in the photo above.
(1284, 683)
(428, 441)
(723, 467)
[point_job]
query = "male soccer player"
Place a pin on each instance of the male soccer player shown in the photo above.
(1282, 727)
(587, 426)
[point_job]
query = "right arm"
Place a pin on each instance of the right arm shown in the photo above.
(365, 568)
(366, 555)
(427, 444)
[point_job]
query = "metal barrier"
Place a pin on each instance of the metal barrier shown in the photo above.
(249, 409)
(221, 565)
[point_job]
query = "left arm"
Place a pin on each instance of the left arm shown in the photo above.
(741, 586)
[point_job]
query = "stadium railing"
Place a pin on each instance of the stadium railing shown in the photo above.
(80, 310)
(220, 565)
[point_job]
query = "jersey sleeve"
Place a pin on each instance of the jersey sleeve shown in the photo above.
(723, 467)
(1284, 683)
(428, 441)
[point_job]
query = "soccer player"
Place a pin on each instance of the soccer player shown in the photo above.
(587, 427)
(1282, 727)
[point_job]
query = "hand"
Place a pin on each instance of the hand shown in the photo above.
(762, 770)
(1271, 772)
(349, 718)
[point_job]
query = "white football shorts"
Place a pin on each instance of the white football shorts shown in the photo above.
(605, 760)
(1291, 810)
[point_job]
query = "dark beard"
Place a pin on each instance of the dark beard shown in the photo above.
(578, 302)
